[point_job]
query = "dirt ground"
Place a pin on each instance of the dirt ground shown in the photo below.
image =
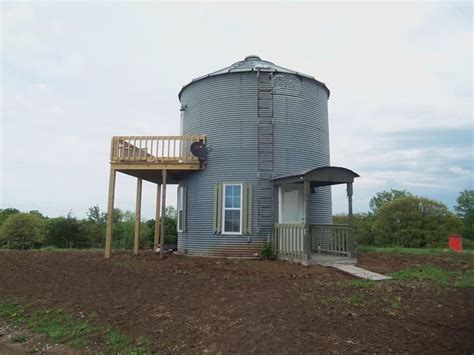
(194, 305)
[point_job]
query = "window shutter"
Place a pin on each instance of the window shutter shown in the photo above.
(185, 208)
(247, 209)
(217, 208)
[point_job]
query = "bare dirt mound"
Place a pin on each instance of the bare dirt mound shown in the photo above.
(189, 305)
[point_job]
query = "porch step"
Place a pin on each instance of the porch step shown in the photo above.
(360, 273)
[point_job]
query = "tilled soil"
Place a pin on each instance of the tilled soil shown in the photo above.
(188, 305)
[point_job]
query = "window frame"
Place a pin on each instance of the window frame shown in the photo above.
(180, 204)
(232, 208)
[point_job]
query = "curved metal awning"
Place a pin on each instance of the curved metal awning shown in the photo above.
(323, 176)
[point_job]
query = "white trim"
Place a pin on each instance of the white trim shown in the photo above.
(224, 209)
(179, 204)
(280, 204)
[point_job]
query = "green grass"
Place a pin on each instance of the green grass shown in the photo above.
(412, 251)
(62, 328)
(118, 342)
(359, 283)
(440, 277)
(467, 280)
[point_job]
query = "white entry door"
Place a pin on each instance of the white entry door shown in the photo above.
(291, 199)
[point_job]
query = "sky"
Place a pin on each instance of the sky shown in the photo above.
(74, 74)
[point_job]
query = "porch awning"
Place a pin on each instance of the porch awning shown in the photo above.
(323, 176)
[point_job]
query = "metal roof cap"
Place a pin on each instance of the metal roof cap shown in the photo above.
(253, 63)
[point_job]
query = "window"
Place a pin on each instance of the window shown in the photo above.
(232, 208)
(181, 209)
(232, 214)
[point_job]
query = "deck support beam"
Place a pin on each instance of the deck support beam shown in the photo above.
(351, 245)
(157, 218)
(307, 232)
(138, 208)
(163, 209)
(110, 212)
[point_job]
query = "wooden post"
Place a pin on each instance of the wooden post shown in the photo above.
(138, 208)
(163, 208)
(350, 222)
(307, 234)
(110, 212)
(157, 217)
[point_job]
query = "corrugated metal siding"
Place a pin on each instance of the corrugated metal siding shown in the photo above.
(224, 108)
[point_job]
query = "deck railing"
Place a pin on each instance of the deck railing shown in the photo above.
(330, 239)
(289, 240)
(154, 149)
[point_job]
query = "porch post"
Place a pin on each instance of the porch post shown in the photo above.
(307, 234)
(157, 217)
(350, 221)
(110, 212)
(163, 208)
(138, 208)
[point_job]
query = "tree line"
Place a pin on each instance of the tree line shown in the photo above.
(399, 218)
(31, 230)
(396, 218)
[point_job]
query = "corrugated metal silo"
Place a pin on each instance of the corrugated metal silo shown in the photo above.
(261, 121)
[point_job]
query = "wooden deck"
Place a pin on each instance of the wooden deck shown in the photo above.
(158, 159)
(145, 157)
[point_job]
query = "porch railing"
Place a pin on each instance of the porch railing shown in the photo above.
(288, 240)
(330, 239)
(154, 149)
(334, 239)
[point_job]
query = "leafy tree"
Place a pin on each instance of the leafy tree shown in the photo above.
(63, 232)
(171, 230)
(363, 224)
(23, 231)
(414, 222)
(95, 215)
(381, 198)
(37, 213)
(93, 234)
(465, 210)
(118, 215)
(5, 213)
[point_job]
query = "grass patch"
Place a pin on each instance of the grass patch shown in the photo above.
(412, 251)
(466, 281)
(363, 283)
(440, 277)
(354, 299)
(118, 342)
(63, 328)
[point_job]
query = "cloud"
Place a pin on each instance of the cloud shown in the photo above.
(74, 74)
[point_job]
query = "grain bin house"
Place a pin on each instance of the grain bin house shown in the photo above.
(251, 163)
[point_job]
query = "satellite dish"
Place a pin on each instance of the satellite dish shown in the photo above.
(199, 150)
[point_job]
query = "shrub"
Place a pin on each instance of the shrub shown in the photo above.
(267, 252)
(415, 222)
(23, 231)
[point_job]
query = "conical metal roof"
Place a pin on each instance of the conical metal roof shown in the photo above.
(253, 63)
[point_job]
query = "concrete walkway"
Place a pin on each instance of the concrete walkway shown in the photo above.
(361, 273)
(347, 265)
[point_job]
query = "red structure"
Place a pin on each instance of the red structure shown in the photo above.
(455, 243)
